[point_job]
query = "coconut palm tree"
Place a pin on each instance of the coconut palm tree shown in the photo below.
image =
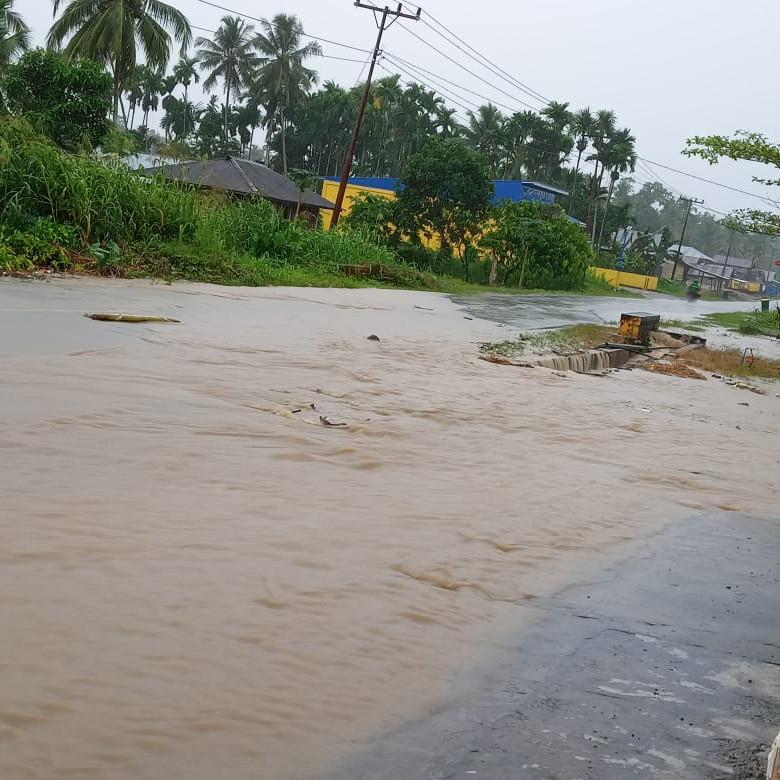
(619, 157)
(112, 31)
(185, 72)
(14, 34)
(229, 57)
(283, 80)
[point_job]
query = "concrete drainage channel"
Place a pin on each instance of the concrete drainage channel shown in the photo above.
(595, 361)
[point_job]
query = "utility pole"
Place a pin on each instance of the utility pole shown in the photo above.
(690, 202)
(382, 24)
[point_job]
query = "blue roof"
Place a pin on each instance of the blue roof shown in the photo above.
(505, 189)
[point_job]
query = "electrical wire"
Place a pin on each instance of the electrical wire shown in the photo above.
(506, 77)
(463, 67)
(480, 59)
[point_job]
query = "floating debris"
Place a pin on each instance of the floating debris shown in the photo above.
(328, 424)
(505, 361)
(130, 318)
(372, 337)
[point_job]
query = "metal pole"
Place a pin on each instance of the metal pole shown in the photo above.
(364, 100)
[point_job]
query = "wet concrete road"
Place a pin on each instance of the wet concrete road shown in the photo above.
(667, 667)
(552, 310)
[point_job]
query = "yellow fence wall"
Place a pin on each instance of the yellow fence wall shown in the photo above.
(627, 279)
(738, 284)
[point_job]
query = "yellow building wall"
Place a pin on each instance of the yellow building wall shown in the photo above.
(330, 190)
(627, 279)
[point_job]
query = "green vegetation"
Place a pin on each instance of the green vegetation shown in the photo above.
(695, 326)
(114, 59)
(748, 323)
(66, 101)
(573, 338)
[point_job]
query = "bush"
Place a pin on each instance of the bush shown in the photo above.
(42, 243)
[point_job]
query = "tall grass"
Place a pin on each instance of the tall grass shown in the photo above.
(102, 200)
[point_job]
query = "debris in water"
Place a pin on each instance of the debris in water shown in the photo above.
(745, 386)
(505, 361)
(373, 337)
(130, 318)
(328, 424)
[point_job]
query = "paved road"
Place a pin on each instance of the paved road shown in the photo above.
(669, 667)
(549, 311)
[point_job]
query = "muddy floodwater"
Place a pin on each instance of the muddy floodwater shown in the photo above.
(204, 573)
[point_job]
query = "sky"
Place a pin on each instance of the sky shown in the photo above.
(670, 69)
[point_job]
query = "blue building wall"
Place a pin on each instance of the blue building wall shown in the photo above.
(504, 189)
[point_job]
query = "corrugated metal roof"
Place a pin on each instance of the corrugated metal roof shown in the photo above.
(241, 176)
(736, 262)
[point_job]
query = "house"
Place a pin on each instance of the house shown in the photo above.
(246, 178)
(504, 190)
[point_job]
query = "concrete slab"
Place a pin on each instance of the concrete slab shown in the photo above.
(669, 667)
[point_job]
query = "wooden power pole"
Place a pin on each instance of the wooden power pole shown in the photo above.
(382, 24)
(690, 202)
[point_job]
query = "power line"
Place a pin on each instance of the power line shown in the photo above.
(396, 59)
(481, 60)
(463, 67)
(305, 34)
(708, 181)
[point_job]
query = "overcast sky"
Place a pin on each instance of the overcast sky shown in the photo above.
(669, 68)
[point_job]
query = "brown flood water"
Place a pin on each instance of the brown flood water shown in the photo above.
(198, 579)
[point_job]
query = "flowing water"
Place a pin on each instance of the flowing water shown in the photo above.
(204, 574)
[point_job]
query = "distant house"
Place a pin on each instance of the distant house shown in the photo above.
(743, 269)
(245, 178)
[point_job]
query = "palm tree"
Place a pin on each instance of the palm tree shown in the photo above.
(485, 133)
(557, 114)
(582, 125)
(14, 34)
(604, 127)
(180, 118)
(134, 93)
(283, 79)
(111, 32)
(186, 73)
(152, 83)
(619, 157)
(228, 57)
(247, 118)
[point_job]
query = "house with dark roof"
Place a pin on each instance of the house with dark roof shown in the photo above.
(246, 178)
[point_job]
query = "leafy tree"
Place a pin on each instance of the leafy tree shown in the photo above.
(538, 245)
(446, 193)
(743, 145)
(283, 79)
(111, 32)
(14, 34)
(67, 101)
(229, 57)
